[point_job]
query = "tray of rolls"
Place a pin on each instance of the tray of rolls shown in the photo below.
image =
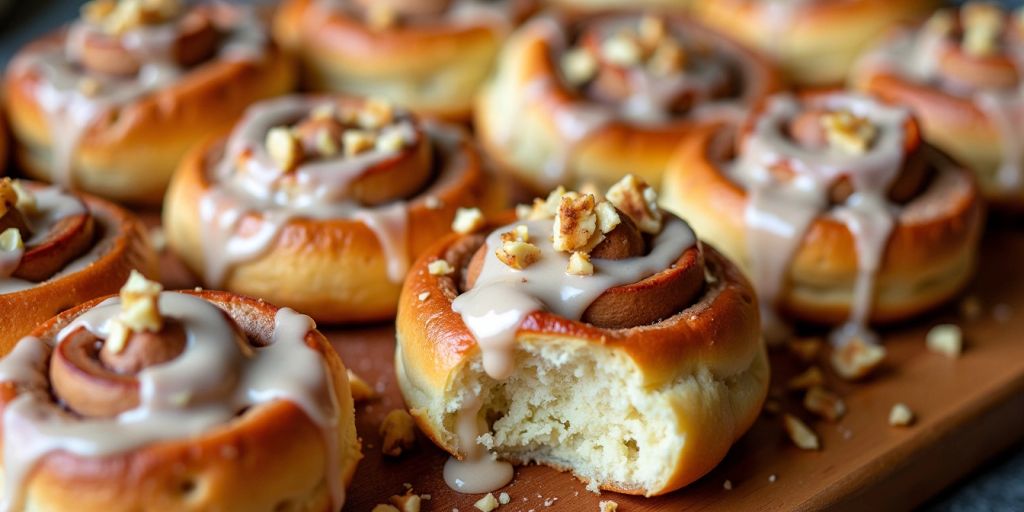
(404, 255)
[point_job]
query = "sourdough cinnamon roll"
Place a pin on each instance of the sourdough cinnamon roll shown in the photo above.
(597, 336)
(961, 73)
(320, 203)
(589, 98)
(428, 55)
(59, 249)
(175, 401)
(836, 208)
(604, 5)
(814, 41)
(111, 103)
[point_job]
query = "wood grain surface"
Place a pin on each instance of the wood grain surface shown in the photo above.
(967, 410)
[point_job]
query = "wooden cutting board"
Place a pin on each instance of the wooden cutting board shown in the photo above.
(967, 410)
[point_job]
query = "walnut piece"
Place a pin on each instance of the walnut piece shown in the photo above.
(407, 502)
(900, 415)
(547, 208)
(608, 506)
(391, 140)
(607, 217)
(668, 58)
(376, 113)
(468, 220)
(520, 233)
(983, 25)
(139, 304)
(357, 141)
(824, 403)
(856, 359)
(637, 199)
(580, 265)
(579, 66)
(440, 268)
(361, 391)
(398, 433)
(848, 132)
(801, 435)
(576, 223)
(808, 379)
(10, 240)
(517, 254)
(946, 339)
(621, 50)
(284, 148)
(487, 503)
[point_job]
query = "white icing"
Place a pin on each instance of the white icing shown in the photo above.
(218, 375)
(52, 205)
(502, 297)
(70, 112)
(778, 212)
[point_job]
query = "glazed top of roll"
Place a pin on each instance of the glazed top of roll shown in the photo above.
(975, 53)
(44, 233)
(427, 15)
(844, 156)
(322, 158)
(149, 366)
(121, 50)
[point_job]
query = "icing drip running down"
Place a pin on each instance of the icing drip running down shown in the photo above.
(74, 95)
(49, 206)
(217, 375)
(513, 285)
(641, 70)
(780, 210)
(976, 54)
(297, 157)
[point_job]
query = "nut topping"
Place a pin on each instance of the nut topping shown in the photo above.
(357, 141)
(576, 224)
(398, 433)
(284, 148)
(801, 435)
(848, 132)
(580, 265)
(945, 339)
(637, 199)
(824, 403)
(139, 309)
(579, 66)
(621, 50)
(10, 240)
(518, 254)
(117, 17)
(983, 24)
(856, 359)
(376, 113)
(468, 220)
(440, 268)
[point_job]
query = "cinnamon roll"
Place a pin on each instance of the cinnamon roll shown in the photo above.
(589, 98)
(110, 104)
(593, 335)
(814, 41)
(602, 5)
(428, 55)
(960, 72)
(176, 401)
(59, 249)
(320, 203)
(836, 208)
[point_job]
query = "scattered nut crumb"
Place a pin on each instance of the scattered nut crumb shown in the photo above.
(580, 265)
(468, 220)
(440, 268)
(407, 502)
(946, 339)
(772, 478)
(809, 378)
(398, 432)
(423, 296)
(824, 403)
(805, 349)
(857, 359)
(361, 391)
(901, 415)
(487, 503)
(608, 506)
(504, 498)
(727, 485)
(801, 435)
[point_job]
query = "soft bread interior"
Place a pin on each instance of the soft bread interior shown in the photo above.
(585, 407)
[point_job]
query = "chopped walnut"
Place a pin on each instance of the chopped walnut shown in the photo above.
(900, 415)
(638, 200)
(579, 66)
(139, 309)
(621, 50)
(576, 223)
(608, 506)
(805, 349)
(517, 254)
(523, 211)
(983, 25)
(468, 220)
(26, 201)
(357, 141)
(856, 359)
(10, 240)
(326, 144)
(668, 58)
(520, 233)
(580, 265)
(808, 379)
(801, 435)
(391, 140)
(376, 113)
(504, 498)
(946, 339)
(440, 268)
(361, 391)
(848, 132)
(824, 403)
(398, 433)
(548, 208)
(607, 217)
(487, 503)
(284, 148)
(652, 30)
(407, 502)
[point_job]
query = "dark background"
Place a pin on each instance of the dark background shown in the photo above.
(999, 486)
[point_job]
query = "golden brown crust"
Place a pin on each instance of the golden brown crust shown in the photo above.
(817, 43)
(126, 247)
(130, 156)
(929, 257)
(606, 153)
(953, 123)
(271, 455)
(334, 270)
(718, 333)
(434, 69)
(3, 143)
